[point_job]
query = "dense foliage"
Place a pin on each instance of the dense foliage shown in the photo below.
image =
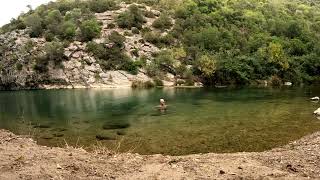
(220, 41)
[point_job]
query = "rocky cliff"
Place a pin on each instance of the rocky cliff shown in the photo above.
(80, 68)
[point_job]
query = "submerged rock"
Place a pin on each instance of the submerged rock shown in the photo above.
(288, 83)
(317, 112)
(47, 137)
(104, 137)
(58, 134)
(107, 126)
(121, 133)
(59, 129)
(42, 126)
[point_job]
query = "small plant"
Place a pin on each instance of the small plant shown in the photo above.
(135, 30)
(19, 66)
(127, 33)
(111, 26)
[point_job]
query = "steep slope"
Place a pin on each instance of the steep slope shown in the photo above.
(79, 67)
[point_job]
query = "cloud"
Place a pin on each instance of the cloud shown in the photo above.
(13, 8)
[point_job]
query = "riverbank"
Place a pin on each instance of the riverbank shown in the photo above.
(22, 158)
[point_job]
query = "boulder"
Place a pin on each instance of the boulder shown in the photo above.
(315, 98)
(288, 83)
(317, 112)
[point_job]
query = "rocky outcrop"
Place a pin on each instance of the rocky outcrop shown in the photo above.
(79, 69)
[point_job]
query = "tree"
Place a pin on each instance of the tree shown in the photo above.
(277, 55)
(207, 65)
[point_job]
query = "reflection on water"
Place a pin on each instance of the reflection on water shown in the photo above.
(197, 120)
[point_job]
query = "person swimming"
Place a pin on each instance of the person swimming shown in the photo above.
(162, 105)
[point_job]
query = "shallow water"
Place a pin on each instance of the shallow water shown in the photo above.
(196, 121)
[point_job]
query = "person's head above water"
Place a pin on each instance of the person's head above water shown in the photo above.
(162, 101)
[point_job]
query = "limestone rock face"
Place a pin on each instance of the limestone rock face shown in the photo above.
(80, 69)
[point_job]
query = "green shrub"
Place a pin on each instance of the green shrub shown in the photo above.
(48, 36)
(111, 26)
(162, 23)
(148, 14)
(34, 21)
(68, 30)
(116, 38)
(100, 6)
(141, 84)
(131, 18)
(127, 33)
(135, 30)
(276, 81)
(152, 37)
(19, 66)
(157, 81)
(41, 64)
(54, 51)
(131, 67)
(98, 50)
(135, 52)
(90, 29)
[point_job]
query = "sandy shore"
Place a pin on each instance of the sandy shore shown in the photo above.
(22, 158)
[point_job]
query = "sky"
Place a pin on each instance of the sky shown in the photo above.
(12, 8)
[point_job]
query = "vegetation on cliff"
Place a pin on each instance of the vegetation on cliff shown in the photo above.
(217, 42)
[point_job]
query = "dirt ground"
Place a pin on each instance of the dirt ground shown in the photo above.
(22, 158)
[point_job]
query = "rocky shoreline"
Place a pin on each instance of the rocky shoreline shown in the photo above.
(22, 158)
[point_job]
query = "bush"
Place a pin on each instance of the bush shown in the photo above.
(90, 29)
(68, 30)
(131, 67)
(54, 51)
(149, 14)
(135, 30)
(162, 23)
(111, 26)
(135, 52)
(100, 6)
(131, 18)
(152, 37)
(127, 33)
(276, 81)
(41, 64)
(141, 84)
(33, 21)
(157, 81)
(116, 38)
(98, 50)
(48, 36)
(19, 66)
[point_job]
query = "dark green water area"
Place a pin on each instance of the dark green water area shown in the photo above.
(196, 121)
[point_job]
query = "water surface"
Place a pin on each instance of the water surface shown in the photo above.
(197, 120)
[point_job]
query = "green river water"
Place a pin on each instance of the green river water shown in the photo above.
(196, 121)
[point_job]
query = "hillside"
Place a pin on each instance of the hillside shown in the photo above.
(106, 43)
